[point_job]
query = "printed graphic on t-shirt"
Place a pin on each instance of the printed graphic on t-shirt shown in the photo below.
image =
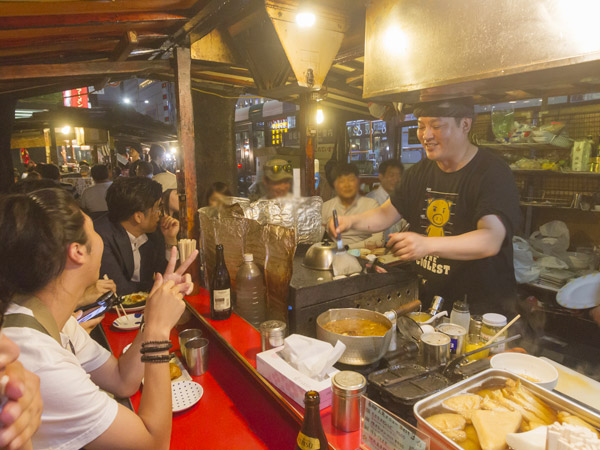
(436, 220)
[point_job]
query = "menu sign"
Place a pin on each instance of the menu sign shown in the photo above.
(382, 430)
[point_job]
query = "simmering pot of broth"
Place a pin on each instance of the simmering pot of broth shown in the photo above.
(365, 333)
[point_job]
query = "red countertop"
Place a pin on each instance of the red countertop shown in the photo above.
(245, 406)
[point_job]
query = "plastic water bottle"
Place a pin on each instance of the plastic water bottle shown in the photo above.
(250, 292)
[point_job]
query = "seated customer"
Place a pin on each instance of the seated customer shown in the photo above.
(166, 179)
(277, 179)
(133, 248)
(349, 201)
(55, 255)
(93, 199)
(390, 173)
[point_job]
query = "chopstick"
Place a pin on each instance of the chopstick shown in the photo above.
(503, 329)
(118, 312)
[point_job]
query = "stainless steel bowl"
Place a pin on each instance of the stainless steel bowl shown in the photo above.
(360, 350)
(320, 256)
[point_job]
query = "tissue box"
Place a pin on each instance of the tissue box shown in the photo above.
(295, 384)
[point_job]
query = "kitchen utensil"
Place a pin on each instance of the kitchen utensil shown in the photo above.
(527, 366)
(272, 334)
(581, 293)
(435, 349)
(506, 327)
(362, 350)
(319, 256)
(186, 335)
(347, 388)
(185, 394)
(343, 263)
(490, 378)
(457, 337)
(196, 356)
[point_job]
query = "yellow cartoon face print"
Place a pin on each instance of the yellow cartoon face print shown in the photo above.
(438, 214)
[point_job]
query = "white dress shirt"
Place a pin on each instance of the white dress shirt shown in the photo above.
(136, 243)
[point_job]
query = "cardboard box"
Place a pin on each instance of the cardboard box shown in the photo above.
(295, 384)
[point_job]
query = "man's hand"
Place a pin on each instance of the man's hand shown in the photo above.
(181, 279)
(91, 294)
(595, 314)
(408, 246)
(169, 228)
(344, 224)
(21, 415)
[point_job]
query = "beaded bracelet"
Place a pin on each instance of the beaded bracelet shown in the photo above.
(156, 359)
(157, 349)
(148, 343)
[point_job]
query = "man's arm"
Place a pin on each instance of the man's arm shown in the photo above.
(373, 241)
(372, 221)
(483, 242)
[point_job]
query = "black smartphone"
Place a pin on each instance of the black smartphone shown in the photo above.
(99, 307)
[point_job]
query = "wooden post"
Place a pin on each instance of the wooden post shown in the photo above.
(186, 157)
(7, 117)
(308, 139)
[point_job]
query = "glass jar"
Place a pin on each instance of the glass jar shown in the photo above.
(492, 324)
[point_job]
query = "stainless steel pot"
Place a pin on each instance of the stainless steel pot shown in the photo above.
(361, 350)
(320, 255)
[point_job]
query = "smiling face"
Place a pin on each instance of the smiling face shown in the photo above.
(442, 137)
(390, 179)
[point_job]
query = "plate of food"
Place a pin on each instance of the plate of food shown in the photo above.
(134, 302)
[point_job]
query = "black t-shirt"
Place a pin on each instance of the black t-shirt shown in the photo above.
(436, 203)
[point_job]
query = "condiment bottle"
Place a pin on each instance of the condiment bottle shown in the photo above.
(311, 436)
(347, 388)
(475, 325)
(492, 324)
(460, 314)
(220, 292)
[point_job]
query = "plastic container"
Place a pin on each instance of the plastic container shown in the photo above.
(492, 323)
(460, 315)
(250, 300)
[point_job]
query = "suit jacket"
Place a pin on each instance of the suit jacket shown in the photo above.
(117, 259)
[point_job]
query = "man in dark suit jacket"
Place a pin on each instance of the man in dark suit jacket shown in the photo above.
(135, 247)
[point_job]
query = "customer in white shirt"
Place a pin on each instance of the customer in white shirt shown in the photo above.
(45, 284)
(93, 199)
(349, 201)
(390, 174)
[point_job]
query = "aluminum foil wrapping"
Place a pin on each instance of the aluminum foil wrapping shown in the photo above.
(303, 214)
(273, 247)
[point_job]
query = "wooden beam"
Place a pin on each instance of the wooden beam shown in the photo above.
(23, 9)
(71, 20)
(28, 72)
(186, 158)
(120, 53)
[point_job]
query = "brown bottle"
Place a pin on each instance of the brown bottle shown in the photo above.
(311, 436)
(220, 291)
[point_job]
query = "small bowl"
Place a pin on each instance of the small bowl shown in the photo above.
(527, 366)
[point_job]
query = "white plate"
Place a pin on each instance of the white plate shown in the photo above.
(128, 322)
(581, 293)
(185, 394)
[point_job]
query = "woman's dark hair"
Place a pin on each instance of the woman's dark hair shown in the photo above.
(166, 198)
(35, 232)
(49, 171)
(31, 184)
(128, 195)
(217, 186)
(143, 169)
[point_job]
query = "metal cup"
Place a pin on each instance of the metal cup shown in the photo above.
(186, 335)
(196, 355)
(272, 334)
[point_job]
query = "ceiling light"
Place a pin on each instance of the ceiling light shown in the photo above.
(173, 150)
(320, 116)
(66, 129)
(305, 19)
(146, 101)
(126, 101)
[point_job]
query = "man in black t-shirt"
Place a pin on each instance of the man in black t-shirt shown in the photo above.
(462, 205)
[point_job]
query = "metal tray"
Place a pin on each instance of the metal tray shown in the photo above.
(490, 378)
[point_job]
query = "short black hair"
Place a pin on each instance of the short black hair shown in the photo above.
(389, 163)
(48, 171)
(128, 195)
(344, 169)
(217, 186)
(143, 169)
(156, 151)
(99, 172)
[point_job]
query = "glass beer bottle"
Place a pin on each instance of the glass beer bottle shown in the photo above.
(220, 290)
(311, 436)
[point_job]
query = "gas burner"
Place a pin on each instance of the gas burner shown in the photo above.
(364, 370)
